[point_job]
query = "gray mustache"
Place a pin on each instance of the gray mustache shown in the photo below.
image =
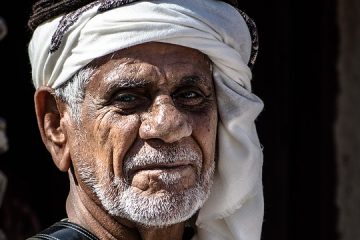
(148, 156)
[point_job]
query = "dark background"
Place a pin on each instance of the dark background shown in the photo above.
(296, 77)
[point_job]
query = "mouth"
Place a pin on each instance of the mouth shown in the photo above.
(170, 177)
(167, 167)
(162, 166)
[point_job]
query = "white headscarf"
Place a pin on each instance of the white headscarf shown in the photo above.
(234, 209)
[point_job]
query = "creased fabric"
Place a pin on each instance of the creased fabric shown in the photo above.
(234, 209)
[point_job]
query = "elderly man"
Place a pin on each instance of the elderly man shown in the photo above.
(148, 107)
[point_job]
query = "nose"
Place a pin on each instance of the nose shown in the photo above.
(164, 121)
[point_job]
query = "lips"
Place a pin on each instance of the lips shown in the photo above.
(160, 167)
(174, 177)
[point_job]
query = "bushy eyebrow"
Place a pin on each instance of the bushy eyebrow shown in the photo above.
(125, 83)
(129, 83)
(194, 80)
(143, 83)
(114, 79)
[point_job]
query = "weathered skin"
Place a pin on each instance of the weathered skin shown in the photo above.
(153, 95)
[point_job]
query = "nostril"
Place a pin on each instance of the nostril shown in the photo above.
(147, 128)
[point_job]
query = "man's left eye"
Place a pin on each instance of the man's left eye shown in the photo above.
(189, 98)
(189, 94)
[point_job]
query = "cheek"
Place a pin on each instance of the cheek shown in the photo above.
(110, 139)
(204, 131)
(123, 135)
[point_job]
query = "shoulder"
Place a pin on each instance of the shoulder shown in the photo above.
(64, 230)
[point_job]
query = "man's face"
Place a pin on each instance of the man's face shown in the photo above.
(145, 144)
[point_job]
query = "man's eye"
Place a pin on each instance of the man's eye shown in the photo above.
(129, 102)
(126, 98)
(189, 98)
(189, 94)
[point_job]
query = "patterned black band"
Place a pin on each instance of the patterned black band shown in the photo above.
(65, 23)
(111, 4)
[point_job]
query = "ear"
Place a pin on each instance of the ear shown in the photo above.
(49, 113)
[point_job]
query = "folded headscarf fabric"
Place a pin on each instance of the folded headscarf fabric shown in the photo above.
(234, 209)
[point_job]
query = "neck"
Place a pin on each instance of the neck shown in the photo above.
(83, 210)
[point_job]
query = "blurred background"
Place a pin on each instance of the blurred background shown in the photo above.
(307, 73)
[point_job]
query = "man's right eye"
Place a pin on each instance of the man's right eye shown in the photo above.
(129, 102)
(125, 97)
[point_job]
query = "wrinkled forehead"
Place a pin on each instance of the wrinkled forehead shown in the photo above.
(156, 52)
(148, 62)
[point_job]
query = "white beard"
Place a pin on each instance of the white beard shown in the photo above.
(120, 199)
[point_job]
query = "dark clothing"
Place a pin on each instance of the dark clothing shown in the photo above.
(64, 230)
